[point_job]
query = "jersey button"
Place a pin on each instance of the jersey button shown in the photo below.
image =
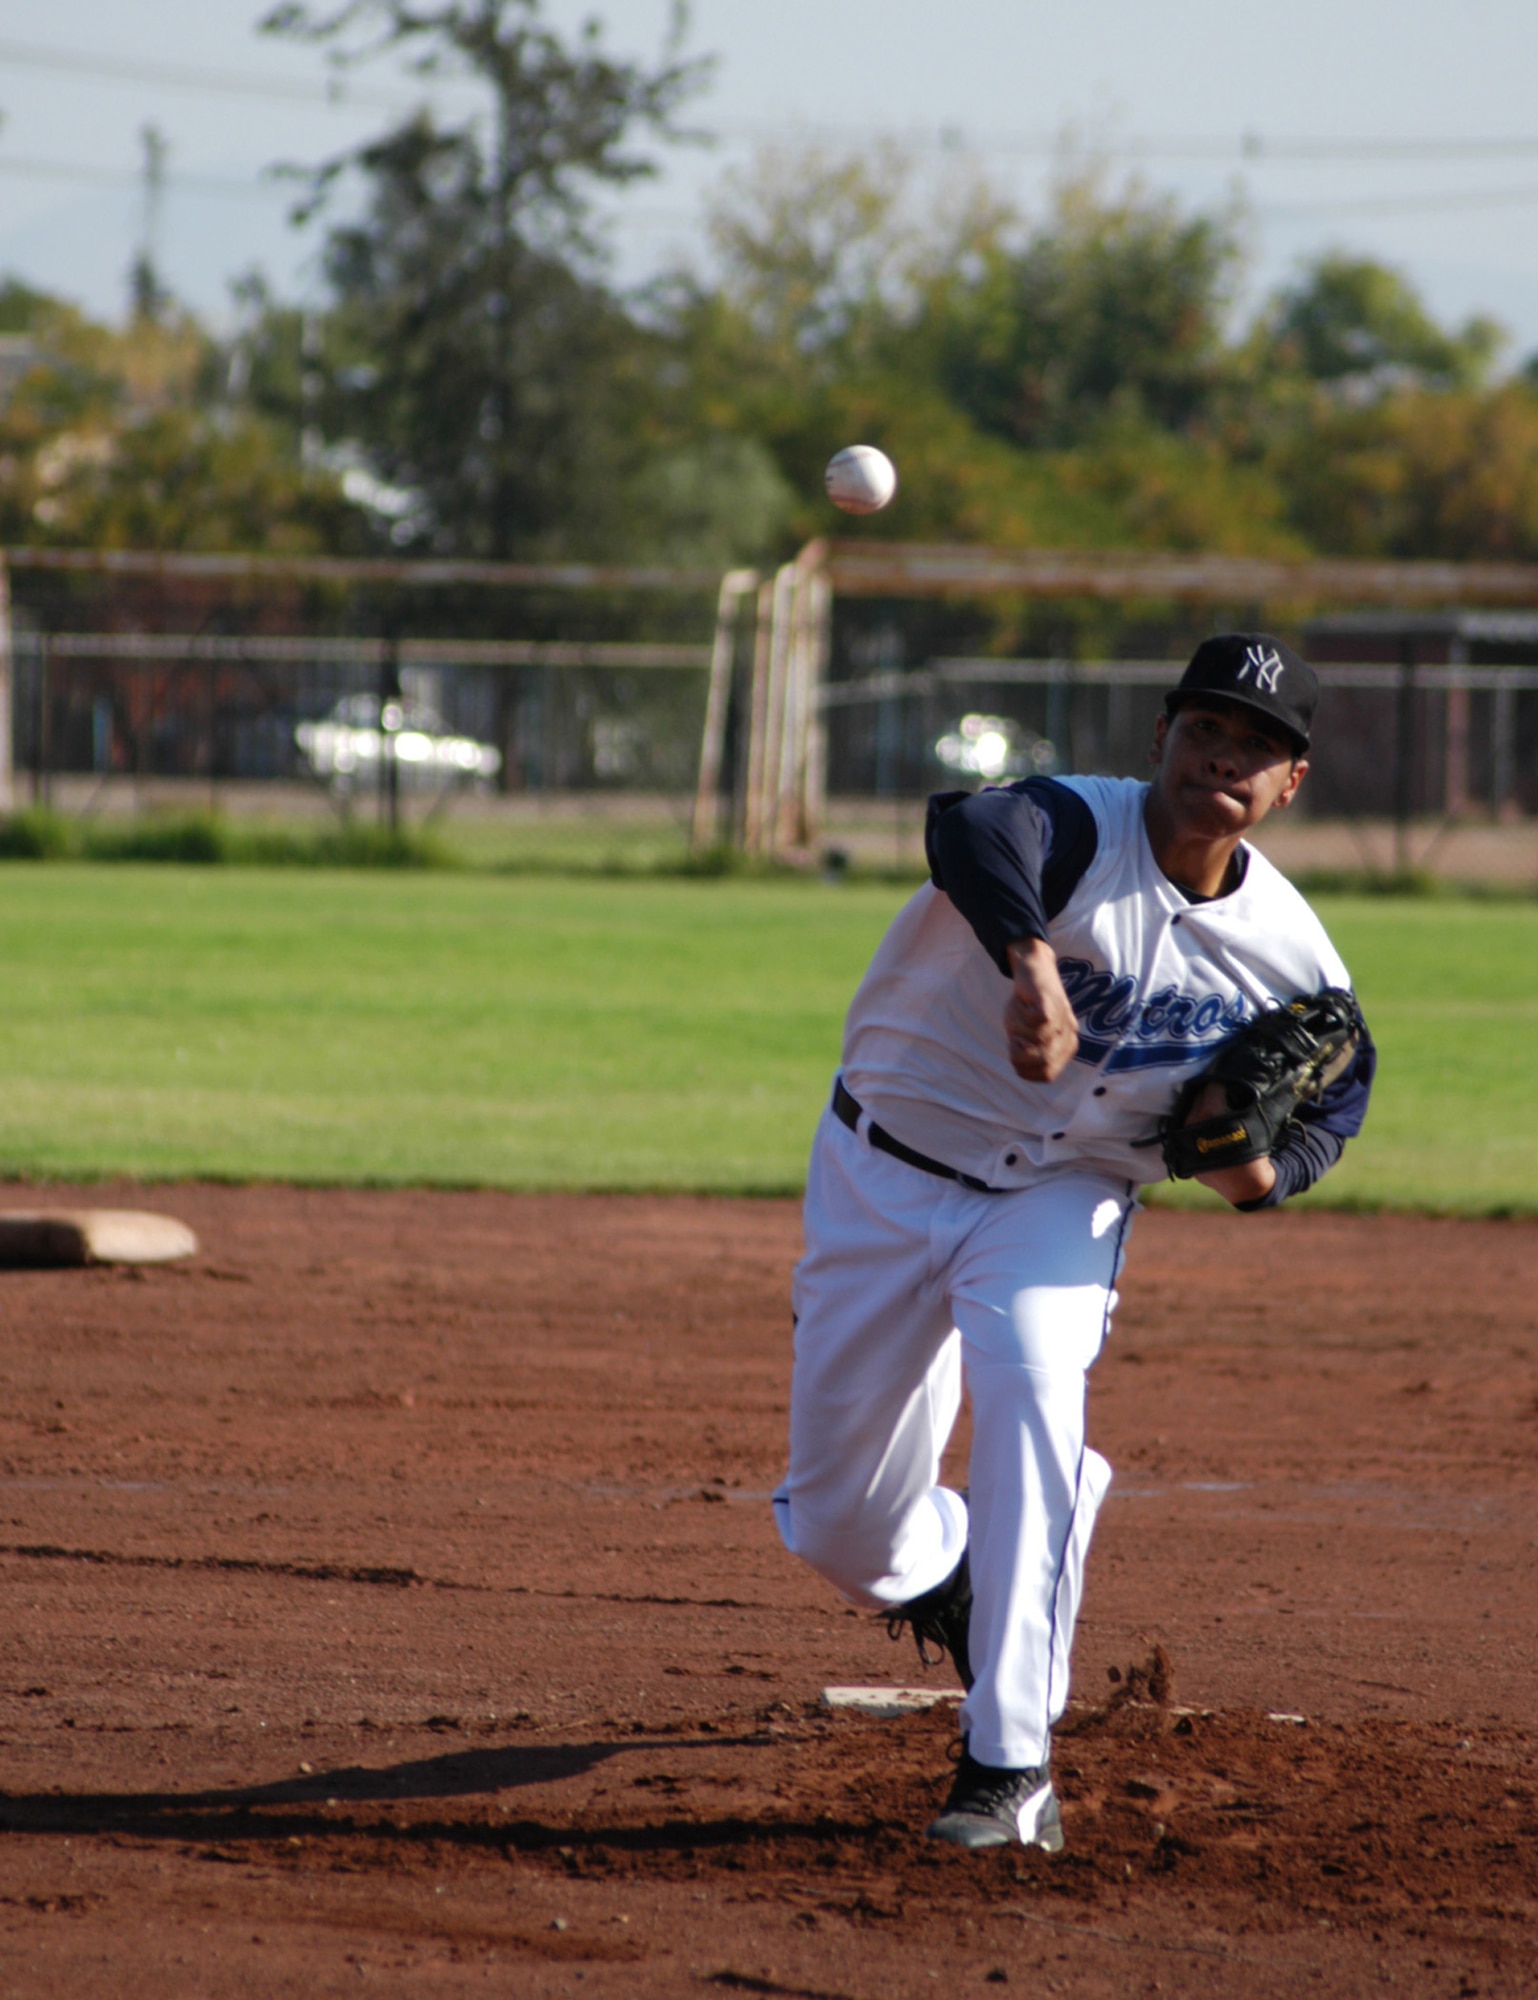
(1173, 921)
(1060, 1135)
(1099, 1090)
(1010, 1159)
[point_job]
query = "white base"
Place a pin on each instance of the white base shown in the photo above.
(93, 1236)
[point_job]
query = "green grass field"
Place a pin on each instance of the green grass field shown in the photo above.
(466, 1029)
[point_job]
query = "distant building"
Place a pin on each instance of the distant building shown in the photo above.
(1437, 714)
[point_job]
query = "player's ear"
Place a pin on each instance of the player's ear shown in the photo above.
(1161, 730)
(1295, 778)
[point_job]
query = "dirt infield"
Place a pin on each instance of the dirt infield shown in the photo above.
(392, 1605)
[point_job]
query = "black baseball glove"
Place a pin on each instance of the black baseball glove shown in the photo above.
(1285, 1057)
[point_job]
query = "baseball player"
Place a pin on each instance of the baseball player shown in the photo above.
(1026, 1048)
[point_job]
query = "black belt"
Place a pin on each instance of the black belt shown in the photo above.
(847, 1110)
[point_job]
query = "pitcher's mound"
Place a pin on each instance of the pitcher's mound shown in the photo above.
(92, 1236)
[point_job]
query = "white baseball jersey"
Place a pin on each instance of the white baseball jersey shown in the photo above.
(1155, 981)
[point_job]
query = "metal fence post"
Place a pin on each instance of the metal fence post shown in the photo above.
(814, 783)
(1503, 748)
(1059, 730)
(389, 727)
(791, 808)
(781, 617)
(7, 778)
(1404, 756)
(706, 829)
(1455, 783)
(40, 745)
(782, 807)
(758, 720)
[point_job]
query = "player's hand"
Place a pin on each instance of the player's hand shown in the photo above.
(1251, 1182)
(1042, 1034)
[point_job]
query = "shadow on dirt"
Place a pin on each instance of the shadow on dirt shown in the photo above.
(313, 1805)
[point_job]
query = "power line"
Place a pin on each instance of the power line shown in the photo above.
(178, 76)
(215, 184)
(224, 185)
(656, 218)
(1252, 147)
(1246, 148)
(1407, 204)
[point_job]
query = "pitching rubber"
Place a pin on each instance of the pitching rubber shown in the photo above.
(888, 1701)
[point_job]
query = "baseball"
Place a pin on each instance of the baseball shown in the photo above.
(861, 479)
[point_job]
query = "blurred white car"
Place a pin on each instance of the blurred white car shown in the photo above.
(994, 747)
(346, 746)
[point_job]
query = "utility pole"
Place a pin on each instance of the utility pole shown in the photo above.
(148, 296)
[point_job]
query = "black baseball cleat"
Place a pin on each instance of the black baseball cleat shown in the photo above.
(940, 1618)
(996, 1808)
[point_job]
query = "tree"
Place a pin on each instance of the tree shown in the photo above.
(1116, 307)
(1452, 474)
(1004, 366)
(125, 439)
(1362, 328)
(474, 353)
(817, 254)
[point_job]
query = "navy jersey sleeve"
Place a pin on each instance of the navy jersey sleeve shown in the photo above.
(1317, 1138)
(1009, 858)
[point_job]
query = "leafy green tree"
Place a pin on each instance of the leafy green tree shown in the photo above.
(1359, 325)
(1115, 308)
(122, 438)
(850, 302)
(800, 339)
(479, 362)
(817, 256)
(22, 305)
(1452, 475)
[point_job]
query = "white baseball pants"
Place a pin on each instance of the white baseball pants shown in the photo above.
(909, 1285)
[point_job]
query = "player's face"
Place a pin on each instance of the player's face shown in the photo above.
(1219, 768)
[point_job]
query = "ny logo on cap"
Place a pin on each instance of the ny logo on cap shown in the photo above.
(1266, 665)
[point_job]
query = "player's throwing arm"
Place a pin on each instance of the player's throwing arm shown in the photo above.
(1038, 1020)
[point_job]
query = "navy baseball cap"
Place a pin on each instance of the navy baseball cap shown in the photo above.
(1258, 672)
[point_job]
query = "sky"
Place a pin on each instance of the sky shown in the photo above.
(1401, 130)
